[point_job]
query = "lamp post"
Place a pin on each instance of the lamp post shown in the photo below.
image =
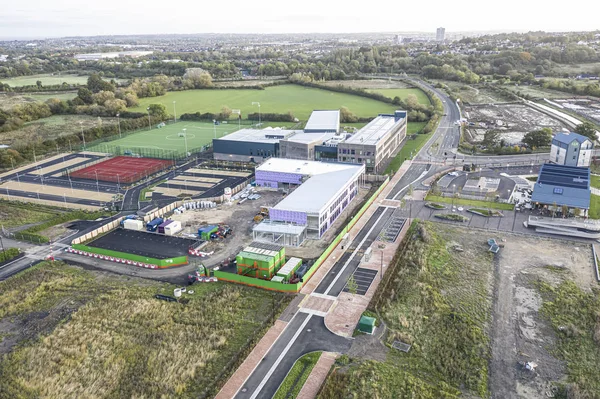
(185, 139)
(149, 125)
(215, 127)
(97, 185)
(174, 113)
(41, 174)
(119, 124)
(381, 267)
(82, 134)
(453, 194)
(257, 103)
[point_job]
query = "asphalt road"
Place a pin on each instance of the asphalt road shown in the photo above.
(304, 334)
(334, 282)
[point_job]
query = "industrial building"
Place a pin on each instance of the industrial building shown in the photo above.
(559, 185)
(324, 191)
(376, 142)
(571, 149)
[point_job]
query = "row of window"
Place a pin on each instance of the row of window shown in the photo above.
(338, 201)
(354, 152)
(262, 153)
(366, 161)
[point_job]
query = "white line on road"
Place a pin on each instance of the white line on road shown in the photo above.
(280, 358)
(330, 297)
(413, 182)
(354, 253)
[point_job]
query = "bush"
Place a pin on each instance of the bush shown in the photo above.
(8, 254)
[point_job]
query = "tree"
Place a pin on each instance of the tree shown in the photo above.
(197, 78)
(352, 286)
(85, 95)
(346, 116)
(491, 138)
(96, 84)
(102, 97)
(538, 138)
(225, 113)
(159, 111)
(587, 129)
(38, 84)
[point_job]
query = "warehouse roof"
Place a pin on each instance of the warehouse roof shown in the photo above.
(373, 131)
(267, 135)
(307, 138)
(323, 121)
(319, 190)
(563, 185)
(302, 167)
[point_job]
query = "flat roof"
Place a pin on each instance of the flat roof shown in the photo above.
(290, 265)
(373, 131)
(302, 167)
(324, 120)
(267, 135)
(279, 227)
(315, 193)
(564, 176)
(307, 138)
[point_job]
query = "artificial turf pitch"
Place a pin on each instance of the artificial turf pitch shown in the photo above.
(166, 142)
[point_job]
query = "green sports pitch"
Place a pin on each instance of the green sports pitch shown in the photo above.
(168, 141)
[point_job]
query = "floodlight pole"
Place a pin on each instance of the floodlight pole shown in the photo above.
(185, 139)
(215, 127)
(257, 103)
(174, 113)
(41, 175)
(97, 185)
(82, 135)
(149, 125)
(119, 124)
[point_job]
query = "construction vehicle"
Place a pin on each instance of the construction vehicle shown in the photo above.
(262, 214)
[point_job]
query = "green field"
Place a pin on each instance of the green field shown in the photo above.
(301, 101)
(403, 94)
(46, 79)
(469, 202)
(167, 138)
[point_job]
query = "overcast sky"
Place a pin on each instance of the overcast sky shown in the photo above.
(45, 18)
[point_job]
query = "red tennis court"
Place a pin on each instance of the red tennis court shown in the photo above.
(123, 169)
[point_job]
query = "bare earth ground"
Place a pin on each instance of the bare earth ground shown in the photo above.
(518, 333)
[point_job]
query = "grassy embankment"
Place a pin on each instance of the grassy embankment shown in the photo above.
(87, 334)
(439, 301)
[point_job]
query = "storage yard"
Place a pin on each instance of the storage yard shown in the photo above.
(513, 121)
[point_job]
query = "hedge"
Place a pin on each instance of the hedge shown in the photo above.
(8, 254)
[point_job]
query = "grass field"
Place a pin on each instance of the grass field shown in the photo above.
(167, 138)
(301, 101)
(594, 211)
(47, 80)
(471, 203)
(368, 84)
(9, 100)
(595, 181)
(14, 214)
(410, 146)
(73, 333)
(52, 127)
(440, 302)
(403, 93)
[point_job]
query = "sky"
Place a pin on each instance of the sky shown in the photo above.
(44, 18)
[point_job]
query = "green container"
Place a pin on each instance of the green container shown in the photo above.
(366, 324)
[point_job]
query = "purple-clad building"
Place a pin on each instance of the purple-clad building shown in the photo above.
(323, 191)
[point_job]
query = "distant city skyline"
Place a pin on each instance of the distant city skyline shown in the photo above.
(43, 19)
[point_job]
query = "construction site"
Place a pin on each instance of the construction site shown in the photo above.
(512, 121)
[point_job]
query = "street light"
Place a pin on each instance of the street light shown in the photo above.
(453, 194)
(174, 113)
(215, 127)
(119, 124)
(149, 125)
(257, 103)
(82, 134)
(41, 174)
(97, 186)
(185, 139)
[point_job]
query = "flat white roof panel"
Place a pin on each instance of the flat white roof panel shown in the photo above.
(324, 120)
(303, 167)
(373, 131)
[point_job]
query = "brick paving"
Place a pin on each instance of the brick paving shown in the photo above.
(317, 376)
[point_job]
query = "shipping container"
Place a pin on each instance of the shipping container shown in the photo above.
(205, 232)
(173, 228)
(131, 224)
(161, 227)
(153, 225)
(289, 268)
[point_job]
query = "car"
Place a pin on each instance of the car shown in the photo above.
(460, 209)
(453, 174)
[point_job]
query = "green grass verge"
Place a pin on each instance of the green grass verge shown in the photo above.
(440, 302)
(294, 381)
(594, 211)
(574, 315)
(452, 217)
(410, 146)
(469, 202)
(301, 101)
(485, 212)
(595, 181)
(8, 254)
(46, 79)
(403, 94)
(106, 336)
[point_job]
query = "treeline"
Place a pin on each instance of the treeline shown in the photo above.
(225, 115)
(568, 86)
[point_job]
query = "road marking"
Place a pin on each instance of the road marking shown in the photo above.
(313, 312)
(413, 182)
(330, 297)
(280, 358)
(354, 253)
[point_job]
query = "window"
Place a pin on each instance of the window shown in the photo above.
(353, 152)
(573, 156)
(558, 190)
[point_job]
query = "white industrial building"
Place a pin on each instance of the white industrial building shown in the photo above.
(322, 192)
